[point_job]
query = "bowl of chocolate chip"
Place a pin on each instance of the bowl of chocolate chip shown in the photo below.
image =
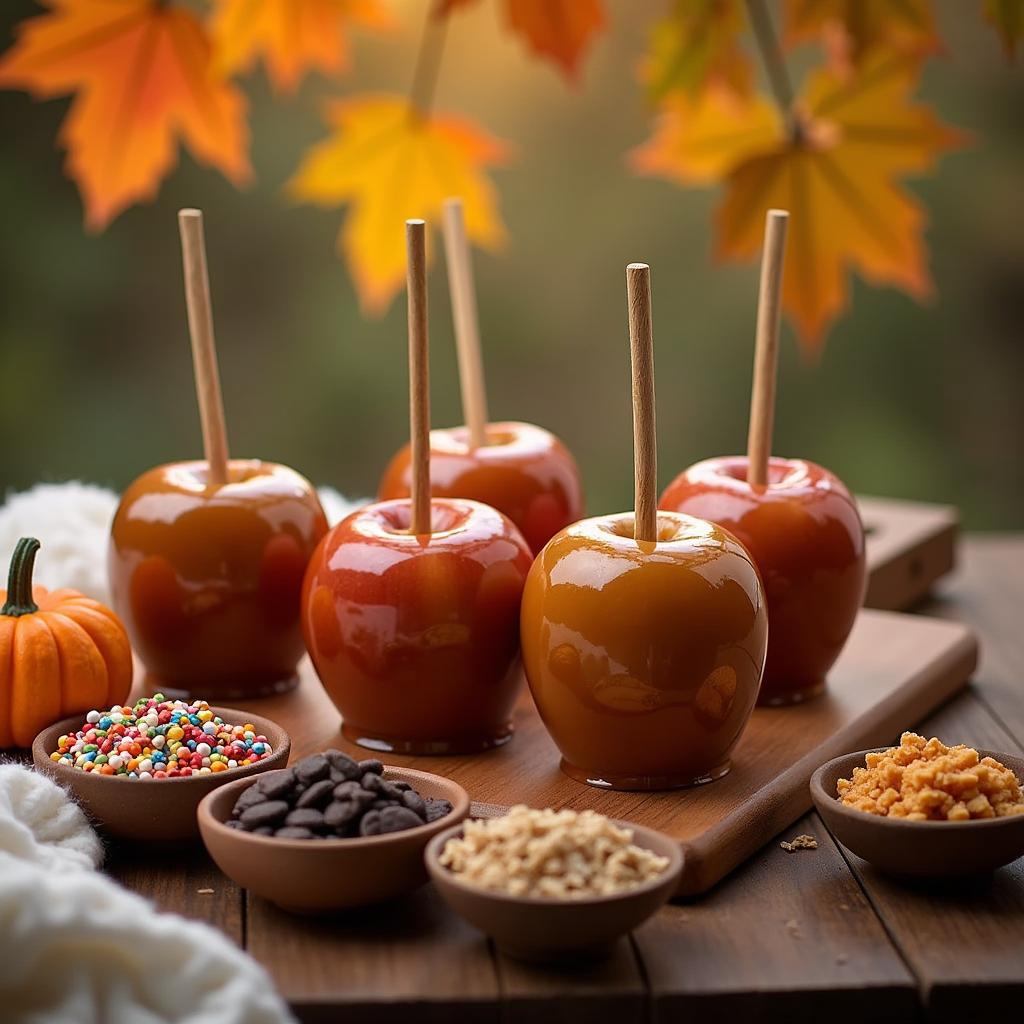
(330, 832)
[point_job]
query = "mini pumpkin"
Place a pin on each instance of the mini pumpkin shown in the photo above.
(61, 653)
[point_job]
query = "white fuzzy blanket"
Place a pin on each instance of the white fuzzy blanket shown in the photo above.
(72, 520)
(76, 948)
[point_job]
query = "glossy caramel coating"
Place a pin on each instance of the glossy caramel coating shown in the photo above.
(806, 537)
(416, 638)
(524, 472)
(208, 579)
(644, 659)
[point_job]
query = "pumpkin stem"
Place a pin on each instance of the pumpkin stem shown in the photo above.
(19, 582)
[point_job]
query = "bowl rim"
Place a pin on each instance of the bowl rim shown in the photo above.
(822, 798)
(206, 817)
(41, 751)
(670, 876)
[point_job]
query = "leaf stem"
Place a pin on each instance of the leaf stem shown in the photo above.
(428, 62)
(771, 55)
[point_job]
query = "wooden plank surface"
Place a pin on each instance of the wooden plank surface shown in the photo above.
(910, 546)
(894, 670)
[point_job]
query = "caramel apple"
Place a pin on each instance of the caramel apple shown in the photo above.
(206, 559)
(644, 633)
(411, 606)
(799, 522)
(520, 469)
(805, 535)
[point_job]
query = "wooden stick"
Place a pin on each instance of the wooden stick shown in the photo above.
(766, 350)
(204, 347)
(467, 325)
(419, 374)
(645, 455)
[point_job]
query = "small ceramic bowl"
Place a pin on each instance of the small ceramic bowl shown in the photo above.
(154, 810)
(320, 876)
(918, 849)
(532, 928)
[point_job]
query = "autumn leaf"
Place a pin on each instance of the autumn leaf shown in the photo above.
(291, 36)
(836, 169)
(389, 163)
(141, 74)
(1008, 18)
(559, 30)
(852, 29)
(695, 48)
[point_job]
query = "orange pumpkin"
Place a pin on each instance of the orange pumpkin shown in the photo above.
(61, 653)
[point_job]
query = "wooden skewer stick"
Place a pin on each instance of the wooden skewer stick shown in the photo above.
(645, 455)
(204, 347)
(419, 374)
(467, 324)
(766, 351)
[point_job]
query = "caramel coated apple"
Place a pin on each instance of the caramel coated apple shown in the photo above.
(416, 638)
(805, 535)
(644, 659)
(523, 471)
(207, 578)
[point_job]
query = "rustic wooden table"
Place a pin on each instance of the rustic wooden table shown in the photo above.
(811, 935)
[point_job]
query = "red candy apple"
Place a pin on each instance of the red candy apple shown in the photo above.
(644, 658)
(805, 535)
(416, 638)
(523, 471)
(207, 577)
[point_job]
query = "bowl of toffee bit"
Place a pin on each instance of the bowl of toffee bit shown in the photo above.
(330, 832)
(924, 809)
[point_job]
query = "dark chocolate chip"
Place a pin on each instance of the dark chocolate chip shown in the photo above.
(317, 795)
(249, 798)
(403, 786)
(390, 819)
(267, 813)
(293, 832)
(340, 813)
(388, 791)
(263, 830)
(371, 782)
(372, 765)
(381, 802)
(235, 823)
(305, 817)
(312, 769)
(437, 808)
(354, 792)
(415, 803)
(344, 765)
(276, 786)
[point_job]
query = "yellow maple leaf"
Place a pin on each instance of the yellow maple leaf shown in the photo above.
(292, 36)
(852, 29)
(388, 163)
(696, 47)
(142, 77)
(835, 167)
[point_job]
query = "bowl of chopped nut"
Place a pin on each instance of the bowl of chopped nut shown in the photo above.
(924, 809)
(330, 832)
(553, 885)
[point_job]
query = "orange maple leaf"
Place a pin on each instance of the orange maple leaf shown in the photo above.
(1008, 18)
(560, 30)
(388, 163)
(292, 36)
(697, 47)
(142, 78)
(851, 29)
(835, 168)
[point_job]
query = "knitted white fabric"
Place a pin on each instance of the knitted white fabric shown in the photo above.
(76, 948)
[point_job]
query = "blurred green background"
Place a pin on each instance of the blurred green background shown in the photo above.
(95, 372)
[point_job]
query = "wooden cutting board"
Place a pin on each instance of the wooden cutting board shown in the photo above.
(910, 546)
(894, 671)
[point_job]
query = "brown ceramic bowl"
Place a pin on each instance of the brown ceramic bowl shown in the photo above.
(319, 876)
(157, 810)
(918, 849)
(537, 929)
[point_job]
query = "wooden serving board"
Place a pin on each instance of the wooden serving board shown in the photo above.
(910, 546)
(894, 671)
